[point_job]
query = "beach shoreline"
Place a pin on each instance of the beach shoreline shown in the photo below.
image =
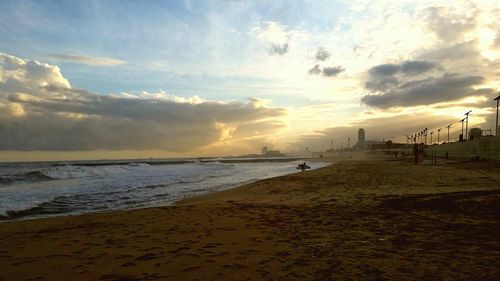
(360, 219)
(42, 190)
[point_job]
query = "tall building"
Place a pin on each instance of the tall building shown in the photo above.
(361, 138)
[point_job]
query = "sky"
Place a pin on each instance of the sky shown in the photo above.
(138, 79)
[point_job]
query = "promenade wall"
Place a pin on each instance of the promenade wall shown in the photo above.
(485, 148)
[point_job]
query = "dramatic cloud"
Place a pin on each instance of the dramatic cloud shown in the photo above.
(425, 91)
(407, 68)
(40, 111)
(384, 70)
(417, 67)
(413, 83)
(100, 61)
(322, 54)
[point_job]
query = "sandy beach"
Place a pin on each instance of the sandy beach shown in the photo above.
(354, 220)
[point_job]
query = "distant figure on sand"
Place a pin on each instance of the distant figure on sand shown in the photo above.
(303, 167)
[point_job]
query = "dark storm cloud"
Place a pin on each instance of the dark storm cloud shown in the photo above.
(407, 68)
(416, 67)
(387, 69)
(425, 91)
(332, 71)
(279, 49)
(322, 54)
(388, 76)
(418, 82)
(41, 112)
(382, 83)
(116, 123)
(450, 71)
(488, 93)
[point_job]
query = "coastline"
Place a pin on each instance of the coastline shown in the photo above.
(52, 190)
(354, 219)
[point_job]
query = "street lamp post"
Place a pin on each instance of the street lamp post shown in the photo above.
(439, 130)
(449, 126)
(467, 124)
(462, 121)
(496, 121)
(432, 132)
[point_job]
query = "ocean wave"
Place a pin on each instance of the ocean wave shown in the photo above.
(48, 190)
(64, 172)
(33, 176)
(58, 205)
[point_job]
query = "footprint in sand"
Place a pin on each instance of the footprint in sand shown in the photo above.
(116, 277)
(233, 266)
(146, 257)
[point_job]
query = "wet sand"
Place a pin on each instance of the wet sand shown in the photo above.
(355, 220)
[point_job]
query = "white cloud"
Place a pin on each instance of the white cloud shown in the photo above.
(42, 112)
(28, 76)
(272, 32)
(162, 95)
(279, 37)
(91, 60)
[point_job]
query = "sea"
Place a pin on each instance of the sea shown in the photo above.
(47, 189)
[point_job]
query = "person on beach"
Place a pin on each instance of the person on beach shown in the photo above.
(303, 166)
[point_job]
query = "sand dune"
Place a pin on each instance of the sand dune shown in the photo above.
(361, 220)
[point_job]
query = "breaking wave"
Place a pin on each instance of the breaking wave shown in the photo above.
(64, 172)
(36, 190)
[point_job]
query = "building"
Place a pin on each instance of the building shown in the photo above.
(475, 133)
(272, 153)
(361, 139)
